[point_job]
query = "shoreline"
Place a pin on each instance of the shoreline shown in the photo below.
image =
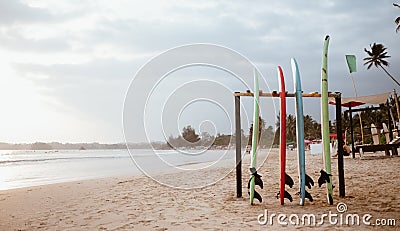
(140, 203)
(54, 170)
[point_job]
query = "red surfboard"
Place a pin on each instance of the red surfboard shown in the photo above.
(284, 178)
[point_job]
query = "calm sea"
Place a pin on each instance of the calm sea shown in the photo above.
(29, 168)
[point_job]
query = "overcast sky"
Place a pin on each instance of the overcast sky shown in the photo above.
(67, 65)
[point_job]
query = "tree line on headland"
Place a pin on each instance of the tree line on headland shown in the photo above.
(60, 146)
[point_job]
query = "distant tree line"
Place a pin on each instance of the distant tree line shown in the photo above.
(189, 138)
(312, 129)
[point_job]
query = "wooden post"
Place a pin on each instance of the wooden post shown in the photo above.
(397, 105)
(338, 100)
(353, 150)
(238, 128)
(389, 103)
(390, 128)
(389, 121)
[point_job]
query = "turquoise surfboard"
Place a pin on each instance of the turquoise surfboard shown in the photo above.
(303, 177)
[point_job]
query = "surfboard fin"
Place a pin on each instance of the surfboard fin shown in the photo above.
(287, 196)
(257, 181)
(309, 181)
(308, 196)
(288, 180)
(257, 178)
(257, 196)
(325, 177)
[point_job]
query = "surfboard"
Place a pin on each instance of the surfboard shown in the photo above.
(303, 178)
(255, 179)
(386, 131)
(326, 176)
(375, 134)
(282, 142)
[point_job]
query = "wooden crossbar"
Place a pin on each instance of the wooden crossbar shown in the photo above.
(276, 94)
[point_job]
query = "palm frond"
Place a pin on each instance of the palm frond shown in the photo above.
(368, 52)
(384, 56)
(385, 63)
(397, 21)
(376, 56)
(369, 61)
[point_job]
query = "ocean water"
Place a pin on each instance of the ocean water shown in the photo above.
(24, 168)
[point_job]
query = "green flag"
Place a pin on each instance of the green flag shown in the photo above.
(351, 62)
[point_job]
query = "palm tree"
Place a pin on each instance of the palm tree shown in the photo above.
(312, 129)
(291, 128)
(397, 21)
(377, 56)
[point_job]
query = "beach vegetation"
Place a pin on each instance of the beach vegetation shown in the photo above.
(377, 56)
(312, 129)
(397, 20)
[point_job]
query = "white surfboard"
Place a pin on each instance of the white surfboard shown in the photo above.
(386, 131)
(375, 134)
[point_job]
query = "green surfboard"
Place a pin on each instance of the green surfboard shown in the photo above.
(255, 179)
(326, 176)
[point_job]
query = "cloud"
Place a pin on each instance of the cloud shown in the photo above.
(15, 11)
(84, 54)
(15, 41)
(88, 72)
(96, 89)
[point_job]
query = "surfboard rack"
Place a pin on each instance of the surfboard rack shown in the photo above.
(338, 102)
(276, 94)
(381, 147)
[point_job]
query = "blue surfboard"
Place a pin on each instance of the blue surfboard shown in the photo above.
(303, 178)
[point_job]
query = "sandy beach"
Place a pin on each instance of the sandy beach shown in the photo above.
(140, 203)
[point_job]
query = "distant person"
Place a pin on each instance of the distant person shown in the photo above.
(346, 150)
(248, 147)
